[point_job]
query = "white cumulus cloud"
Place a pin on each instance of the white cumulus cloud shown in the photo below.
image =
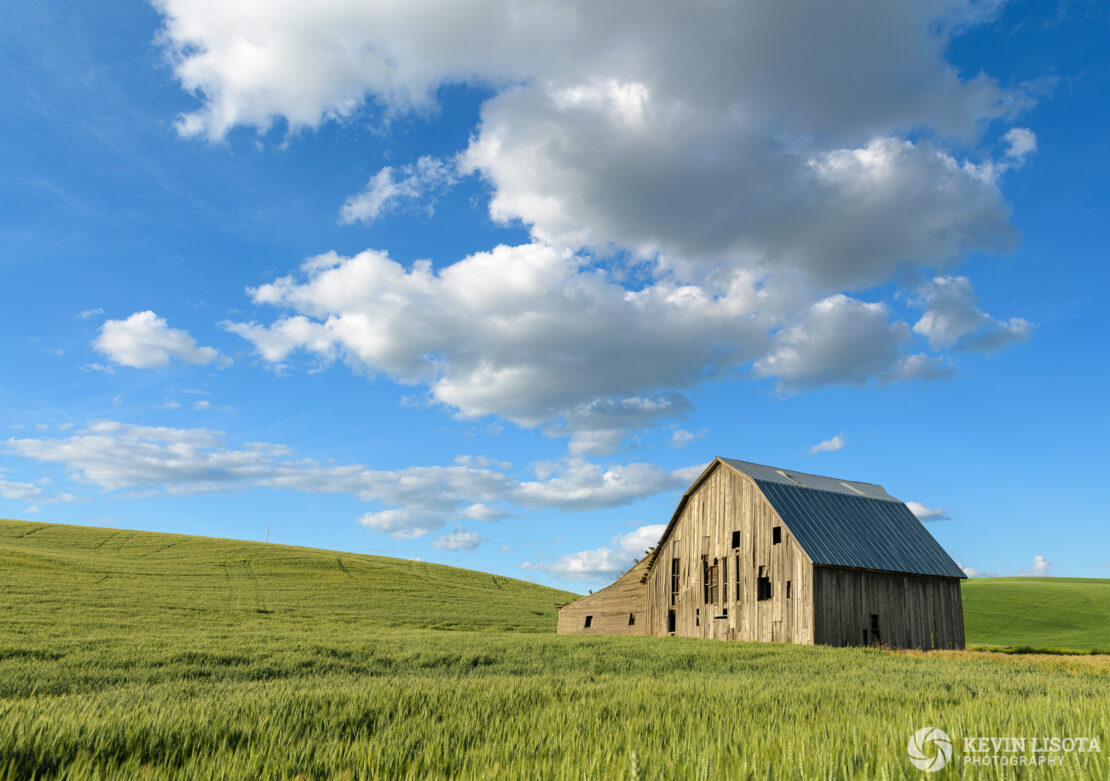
(529, 333)
(606, 562)
(609, 127)
(1042, 567)
(838, 341)
(689, 182)
(1020, 143)
(145, 341)
(952, 318)
(693, 131)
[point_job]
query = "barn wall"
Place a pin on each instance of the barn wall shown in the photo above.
(727, 501)
(913, 611)
(609, 608)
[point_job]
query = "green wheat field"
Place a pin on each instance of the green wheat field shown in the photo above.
(139, 655)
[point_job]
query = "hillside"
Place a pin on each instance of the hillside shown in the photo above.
(97, 576)
(107, 576)
(138, 655)
(1066, 613)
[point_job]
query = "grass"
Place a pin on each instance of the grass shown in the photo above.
(136, 655)
(1047, 614)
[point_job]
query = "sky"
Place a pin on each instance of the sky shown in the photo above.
(489, 284)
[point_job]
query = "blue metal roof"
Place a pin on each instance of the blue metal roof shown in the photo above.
(842, 523)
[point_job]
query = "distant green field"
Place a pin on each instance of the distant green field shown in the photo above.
(137, 655)
(1052, 613)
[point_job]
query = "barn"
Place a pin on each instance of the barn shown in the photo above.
(758, 553)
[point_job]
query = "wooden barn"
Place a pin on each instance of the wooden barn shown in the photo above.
(764, 554)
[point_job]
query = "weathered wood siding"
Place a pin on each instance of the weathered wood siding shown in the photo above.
(807, 604)
(913, 611)
(728, 501)
(609, 609)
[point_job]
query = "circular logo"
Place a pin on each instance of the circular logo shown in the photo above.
(930, 749)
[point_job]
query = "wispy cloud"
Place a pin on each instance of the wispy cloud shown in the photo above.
(1041, 567)
(972, 572)
(459, 539)
(389, 187)
(148, 460)
(680, 437)
(829, 445)
(605, 563)
(30, 491)
(926, 514)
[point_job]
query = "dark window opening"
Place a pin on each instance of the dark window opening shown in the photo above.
(737, 577)
(762, 586)
(705, 579)
(875, 627)
(697, 617)
(671, 621)
(788, 589)
(631, 619)
(589, 620)
(714, 583)
(736, 539)
(724, 613)
(724, 580)
(776, 535)
(674, 580)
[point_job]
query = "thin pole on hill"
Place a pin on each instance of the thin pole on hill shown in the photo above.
(267, 532)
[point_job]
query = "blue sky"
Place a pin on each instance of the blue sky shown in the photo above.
(488, 288)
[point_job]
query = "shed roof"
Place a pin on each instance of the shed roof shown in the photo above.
(843, 523)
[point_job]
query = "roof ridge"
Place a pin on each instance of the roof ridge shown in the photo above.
(787, 470)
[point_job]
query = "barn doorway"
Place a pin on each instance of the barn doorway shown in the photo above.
(671, 621)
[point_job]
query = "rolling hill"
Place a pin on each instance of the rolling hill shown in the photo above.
(95, 575)
(139, 655)
(110, 575)
(1043, 613)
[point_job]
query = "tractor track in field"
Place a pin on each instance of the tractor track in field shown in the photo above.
(256, 586)
(105, 541)
(231, 597)
(157, 550)
(244, 586)
(126, 537)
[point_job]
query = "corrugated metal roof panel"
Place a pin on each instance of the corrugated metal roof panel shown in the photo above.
(840, 523)
(840, 530)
